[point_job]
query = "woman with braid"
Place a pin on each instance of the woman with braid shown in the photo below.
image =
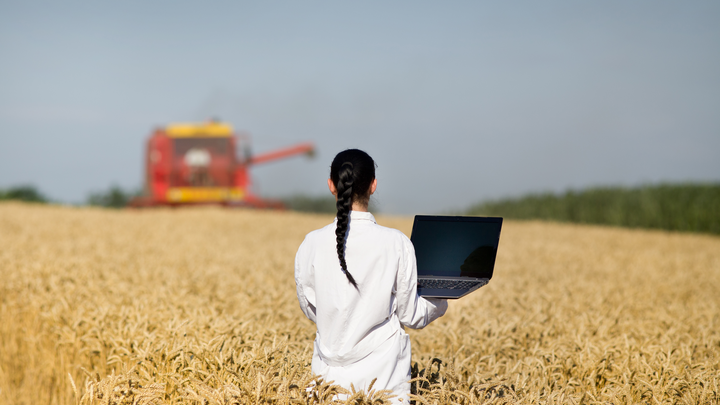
(357, 281)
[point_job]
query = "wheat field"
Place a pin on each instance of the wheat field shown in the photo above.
(198, 306)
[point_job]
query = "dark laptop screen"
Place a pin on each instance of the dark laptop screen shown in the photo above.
(456, 246)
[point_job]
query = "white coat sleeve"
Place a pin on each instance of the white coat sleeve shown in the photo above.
(413, 310)
(305, 281)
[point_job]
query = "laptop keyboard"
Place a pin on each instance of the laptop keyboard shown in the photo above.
(448, 284)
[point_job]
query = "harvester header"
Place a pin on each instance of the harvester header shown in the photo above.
(197, 164)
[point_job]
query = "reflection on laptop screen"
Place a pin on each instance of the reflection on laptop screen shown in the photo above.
(455, 247)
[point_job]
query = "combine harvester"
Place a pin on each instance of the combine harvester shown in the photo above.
(191, 164)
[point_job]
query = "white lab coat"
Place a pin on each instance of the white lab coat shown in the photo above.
(360, 334)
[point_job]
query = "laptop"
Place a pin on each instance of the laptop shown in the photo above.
(455, 254)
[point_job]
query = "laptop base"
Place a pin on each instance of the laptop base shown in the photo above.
(449, 293)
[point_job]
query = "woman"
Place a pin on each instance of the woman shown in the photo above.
(357, 281)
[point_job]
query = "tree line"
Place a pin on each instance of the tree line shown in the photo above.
(689, 207)
(692, 207)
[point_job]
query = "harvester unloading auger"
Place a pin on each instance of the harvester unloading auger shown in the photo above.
(197, 164)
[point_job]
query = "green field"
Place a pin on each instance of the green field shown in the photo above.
(675, 207)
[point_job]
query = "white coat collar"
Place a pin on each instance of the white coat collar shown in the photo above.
(361, 216)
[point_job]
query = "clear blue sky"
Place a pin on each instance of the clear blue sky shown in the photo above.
(457, 101)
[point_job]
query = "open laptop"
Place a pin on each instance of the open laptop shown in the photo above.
(455, 255)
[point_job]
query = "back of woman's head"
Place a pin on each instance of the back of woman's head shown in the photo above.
(352, 172)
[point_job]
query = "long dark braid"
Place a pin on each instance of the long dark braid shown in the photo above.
(352, 173)
(344, 204)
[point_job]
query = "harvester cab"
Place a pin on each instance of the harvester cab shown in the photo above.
(197, 164)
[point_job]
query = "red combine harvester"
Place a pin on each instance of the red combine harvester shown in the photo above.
(197, 164)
